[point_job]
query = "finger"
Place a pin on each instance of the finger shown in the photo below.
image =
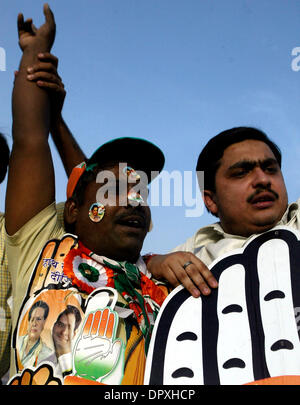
(44, 76)
(49, 16)
(53, 87)
(187, 282)
(24, 26)
(198, 276)
(26, 378)
(197, 279)
(20, 22)
(15, 381)
(110, 325)
(170, 276)
(95, 325)
(28, 26)
(45, 66)
(87, 325)
(205, 272)
(42, 376)
(103, 322)
(48, 57)
(117, 346)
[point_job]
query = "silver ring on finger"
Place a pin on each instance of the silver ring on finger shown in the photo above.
(187, 264)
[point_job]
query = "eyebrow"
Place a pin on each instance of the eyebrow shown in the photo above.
(250, 164)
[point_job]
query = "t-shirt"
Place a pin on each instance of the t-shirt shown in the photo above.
(76, 316)
(5, 294)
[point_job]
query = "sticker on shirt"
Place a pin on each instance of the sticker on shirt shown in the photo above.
(245, 331)
(49, 270)
(98, 357)
(51, 318)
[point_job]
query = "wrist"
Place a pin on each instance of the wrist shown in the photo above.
(152, 262)
(148, 257)
(36, 47)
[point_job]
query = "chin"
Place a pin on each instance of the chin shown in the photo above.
(127, 253)
(264, 226)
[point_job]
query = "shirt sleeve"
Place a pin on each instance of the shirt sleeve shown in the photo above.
(23, 249)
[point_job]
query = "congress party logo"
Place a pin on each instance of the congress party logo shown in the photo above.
(245, 331)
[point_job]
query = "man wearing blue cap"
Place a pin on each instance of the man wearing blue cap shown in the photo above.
(96, 267)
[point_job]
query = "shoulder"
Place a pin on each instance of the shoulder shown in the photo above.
(204, 235)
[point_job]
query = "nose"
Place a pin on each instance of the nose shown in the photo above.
(64, 329)
(260, 178)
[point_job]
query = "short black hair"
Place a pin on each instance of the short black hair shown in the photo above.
(39, 304)
(4, 157)
(209, 159)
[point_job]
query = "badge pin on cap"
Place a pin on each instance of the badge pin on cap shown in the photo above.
(135, 197)
(131, 173)
(96, 212)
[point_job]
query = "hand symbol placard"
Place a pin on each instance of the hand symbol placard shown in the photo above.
(41, 376)
(97, 352)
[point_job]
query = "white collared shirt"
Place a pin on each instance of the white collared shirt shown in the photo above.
(210, 242)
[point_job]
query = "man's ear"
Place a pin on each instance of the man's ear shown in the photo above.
(210, 202)
(70, 212)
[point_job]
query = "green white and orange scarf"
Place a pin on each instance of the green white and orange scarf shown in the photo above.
(89, 271)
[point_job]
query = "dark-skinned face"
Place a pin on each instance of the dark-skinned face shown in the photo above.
(120, 233)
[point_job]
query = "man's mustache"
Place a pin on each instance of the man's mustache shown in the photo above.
(262, 190)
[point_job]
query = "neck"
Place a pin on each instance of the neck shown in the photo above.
(119, 256)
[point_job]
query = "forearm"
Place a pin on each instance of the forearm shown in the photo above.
(66, 145)
(30, 184)
(30, 104)
(30, 167)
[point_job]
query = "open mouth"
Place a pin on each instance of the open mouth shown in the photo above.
(132, 221)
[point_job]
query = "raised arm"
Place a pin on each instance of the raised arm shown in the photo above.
(45, 74)
(66, 145)
(30, 186)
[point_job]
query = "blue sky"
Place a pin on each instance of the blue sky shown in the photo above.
(175, 72)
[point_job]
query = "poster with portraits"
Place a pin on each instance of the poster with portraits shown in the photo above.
(61, 332)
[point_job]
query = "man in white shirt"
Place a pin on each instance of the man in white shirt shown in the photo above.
(245, 189)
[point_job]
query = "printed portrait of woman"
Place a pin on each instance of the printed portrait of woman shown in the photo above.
(47, 330)
(32, 349)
